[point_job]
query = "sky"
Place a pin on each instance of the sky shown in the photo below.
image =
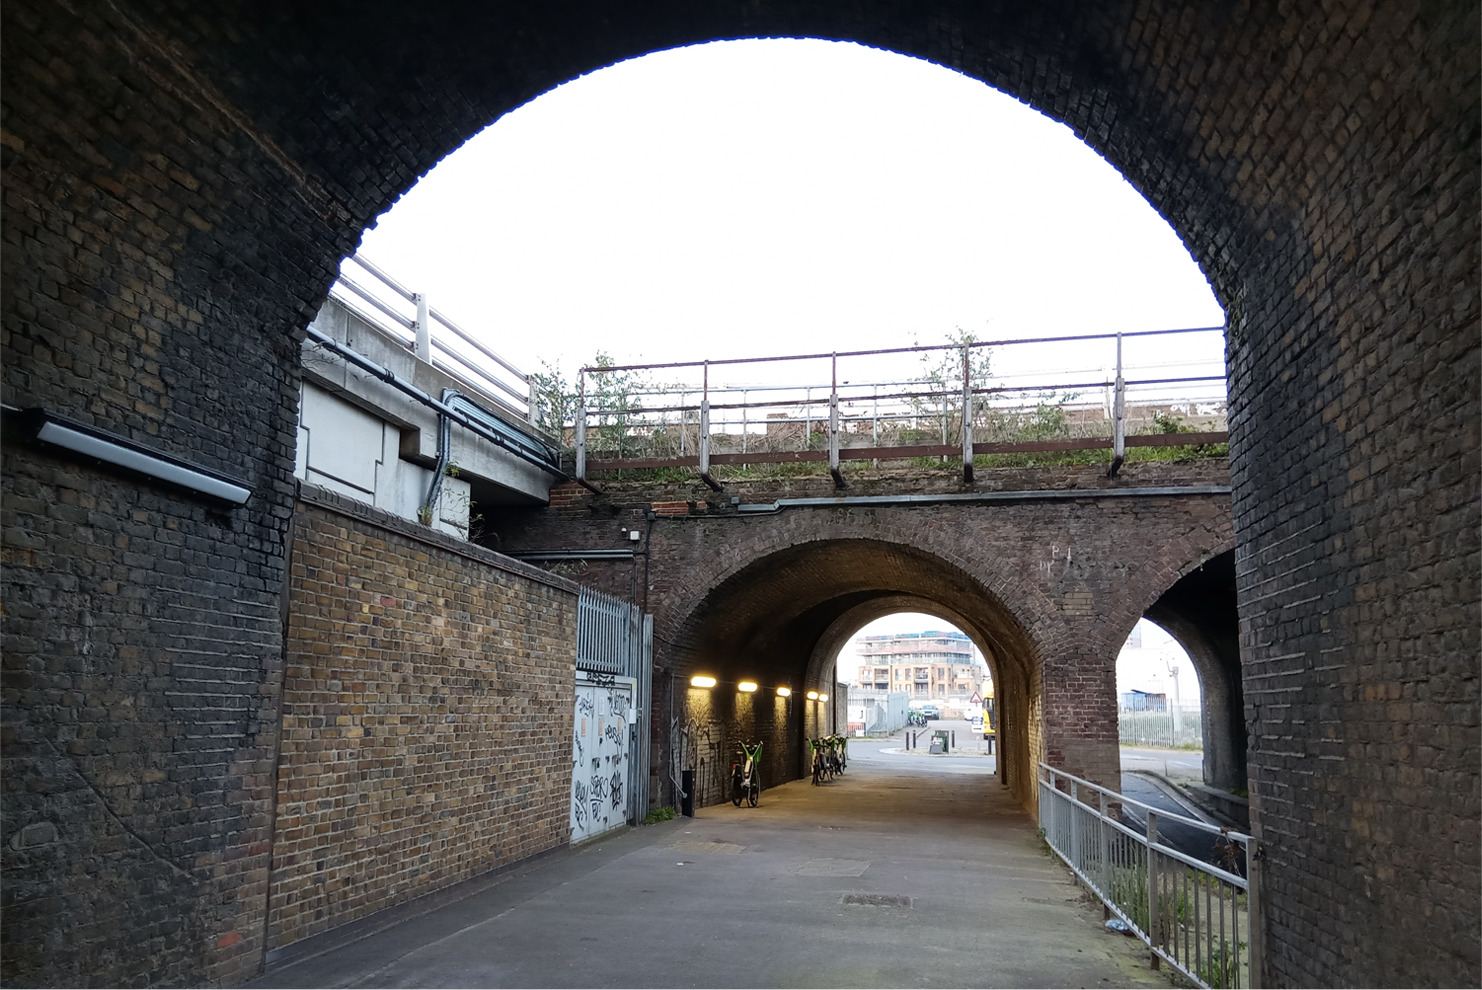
(776, 197)
(752, 198)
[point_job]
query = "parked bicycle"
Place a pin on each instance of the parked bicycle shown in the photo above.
(838, 753)
(828, 757)
(746, 776)
(821, 771)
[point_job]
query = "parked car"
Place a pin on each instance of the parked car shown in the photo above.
(931, 711)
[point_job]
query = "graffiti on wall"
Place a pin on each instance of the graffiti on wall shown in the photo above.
(601, 751)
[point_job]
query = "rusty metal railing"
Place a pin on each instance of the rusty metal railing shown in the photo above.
(856, 410)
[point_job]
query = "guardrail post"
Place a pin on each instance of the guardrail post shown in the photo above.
(1075, 829)
(1119, 417)
(423, 329)
(967, 417)
(1255, 926)
(705, 431)
(833, 427)
(1154, 938)
(1103, 851)
(532, 403)
(581, 426)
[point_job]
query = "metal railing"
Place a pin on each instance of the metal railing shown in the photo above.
(1199, 917)
(962, 410)
(434, 338)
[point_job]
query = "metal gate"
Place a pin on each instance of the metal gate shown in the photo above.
(601, 769)
(610, 734)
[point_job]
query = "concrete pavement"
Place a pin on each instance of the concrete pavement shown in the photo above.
(908, 871)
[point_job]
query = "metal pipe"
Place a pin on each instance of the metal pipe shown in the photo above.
(389, 377)
(444, 456)
(846, 501)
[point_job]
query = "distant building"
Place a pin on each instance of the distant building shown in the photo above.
(926, 666)
(1144, 701)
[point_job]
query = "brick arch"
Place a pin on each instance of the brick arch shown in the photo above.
(1011, 674)
(1201, 616)
(179, 189)
(775, 614)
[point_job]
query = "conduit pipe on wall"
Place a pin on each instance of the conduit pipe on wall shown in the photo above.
(847, 501)
(390, 378)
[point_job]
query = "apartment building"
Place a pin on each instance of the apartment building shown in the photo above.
(928, 666)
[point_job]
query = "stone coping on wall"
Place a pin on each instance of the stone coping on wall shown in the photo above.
(334, 502)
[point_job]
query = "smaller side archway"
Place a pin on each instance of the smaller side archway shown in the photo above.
(1199, 612)
(780, 621)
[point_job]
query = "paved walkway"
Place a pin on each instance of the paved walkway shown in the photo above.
(908, 871)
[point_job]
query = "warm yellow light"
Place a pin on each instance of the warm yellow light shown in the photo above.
(823, 697)
(746, 686)
(700, 680)
(784, 692)
(812, 695)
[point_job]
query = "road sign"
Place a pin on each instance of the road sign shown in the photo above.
(976, 699)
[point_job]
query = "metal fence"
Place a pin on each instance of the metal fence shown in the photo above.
(1198, 917)
(1174, 727)
(435, 338)
(857, 404)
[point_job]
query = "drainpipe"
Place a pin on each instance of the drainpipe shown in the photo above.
(428, 512)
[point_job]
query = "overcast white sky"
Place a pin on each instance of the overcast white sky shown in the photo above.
(776, 197)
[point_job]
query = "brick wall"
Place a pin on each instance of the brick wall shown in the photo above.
(427, 704)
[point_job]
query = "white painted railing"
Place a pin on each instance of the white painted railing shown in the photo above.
(1198, 917)
(434, 338)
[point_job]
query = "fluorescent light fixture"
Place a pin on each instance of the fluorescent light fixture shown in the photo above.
(746, 686)
(823, 697)
(783, 692)
(812, 695)
(120, 452)
(700, 680)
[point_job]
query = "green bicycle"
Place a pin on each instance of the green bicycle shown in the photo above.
(746, 777)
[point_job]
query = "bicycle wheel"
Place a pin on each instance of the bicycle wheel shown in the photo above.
(736, 791)
(754, 792)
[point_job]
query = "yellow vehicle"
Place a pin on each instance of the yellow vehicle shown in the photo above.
(988, 719)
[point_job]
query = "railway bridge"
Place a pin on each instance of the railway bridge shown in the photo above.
(1047, 569)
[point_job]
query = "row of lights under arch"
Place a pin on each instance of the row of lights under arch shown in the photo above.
(750, 687)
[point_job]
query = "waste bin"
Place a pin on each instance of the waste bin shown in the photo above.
(687, 799)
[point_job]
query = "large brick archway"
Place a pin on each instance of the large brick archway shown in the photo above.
(180, 183)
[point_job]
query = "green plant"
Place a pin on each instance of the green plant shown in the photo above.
(664, 814)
